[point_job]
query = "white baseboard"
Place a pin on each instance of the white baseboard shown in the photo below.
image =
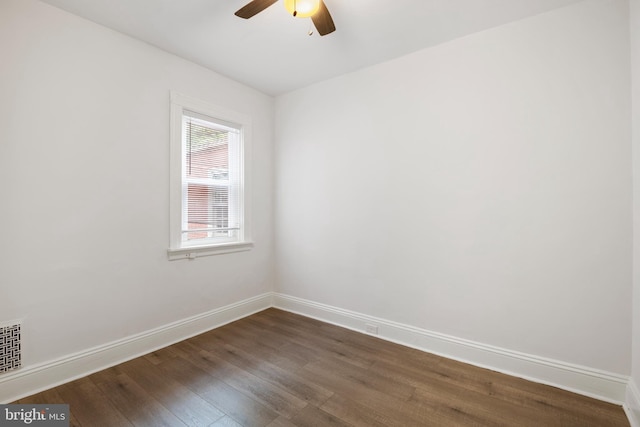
(594, 383)
(30, 380)
(601, 385)
(632, 404)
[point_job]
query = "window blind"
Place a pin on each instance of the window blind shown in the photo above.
(210, 180)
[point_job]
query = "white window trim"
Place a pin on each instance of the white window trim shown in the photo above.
(177, 250)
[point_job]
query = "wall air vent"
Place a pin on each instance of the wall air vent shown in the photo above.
(9, 347)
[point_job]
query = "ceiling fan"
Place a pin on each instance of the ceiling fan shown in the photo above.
(315, 9)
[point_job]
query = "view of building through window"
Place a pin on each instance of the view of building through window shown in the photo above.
(210, 202)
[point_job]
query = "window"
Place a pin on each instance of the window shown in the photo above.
(209, 190)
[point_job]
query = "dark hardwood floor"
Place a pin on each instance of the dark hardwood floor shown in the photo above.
(279, 369)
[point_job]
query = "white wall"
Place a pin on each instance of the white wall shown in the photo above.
(84, 185)
(480, 189)
(633, 393)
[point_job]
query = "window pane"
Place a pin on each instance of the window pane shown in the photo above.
(209, 181)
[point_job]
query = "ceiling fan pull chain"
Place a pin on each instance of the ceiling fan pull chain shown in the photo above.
(295, 9)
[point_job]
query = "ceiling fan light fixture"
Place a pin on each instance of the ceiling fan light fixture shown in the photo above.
(302, 8)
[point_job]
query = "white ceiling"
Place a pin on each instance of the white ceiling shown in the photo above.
(272, 51)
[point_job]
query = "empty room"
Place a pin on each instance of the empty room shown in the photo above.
(320, 213)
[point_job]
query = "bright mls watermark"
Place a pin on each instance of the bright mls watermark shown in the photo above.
(34, 415)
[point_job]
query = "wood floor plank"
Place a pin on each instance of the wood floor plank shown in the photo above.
(317, 345)
(135, 403)
(279, 369)
(313, 416)
(538, 398)
(358, 415)
(470, 407)
(51, 396)
(305, 390)
(188, 406)
(159, 356)
(366, 378)
(284, 344)
(376, 400)
(232, 402)
(90, 406)
(270, 395)
(482, 381)
(254, 342)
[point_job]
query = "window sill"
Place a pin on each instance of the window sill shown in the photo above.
(194, 252)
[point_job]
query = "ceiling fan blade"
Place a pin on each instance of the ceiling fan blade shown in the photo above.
(323, 21)
(253, 8)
